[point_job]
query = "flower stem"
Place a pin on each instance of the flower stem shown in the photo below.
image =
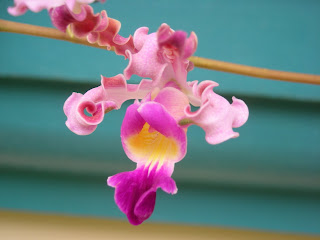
(14, 27)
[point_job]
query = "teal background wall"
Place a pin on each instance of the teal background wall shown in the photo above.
(268, 178)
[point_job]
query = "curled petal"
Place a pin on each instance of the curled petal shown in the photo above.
(139, 37)
(95, 104)
(177, 41)
(216, 115)
(109, 37)
(135, 191)
(100, 100)
(162, 56)
(119, 91)
(176, 47)
(146, 62)
(97, 28)
(61, 17)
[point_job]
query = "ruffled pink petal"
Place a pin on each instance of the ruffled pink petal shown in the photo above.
(97, 28)
(146, 62)
(135, 191)
(110, 38)
(61, 16)
(94, 101)
(119, 91)
(97, 101)
(216, 115)
(162, 56)
(91, 23)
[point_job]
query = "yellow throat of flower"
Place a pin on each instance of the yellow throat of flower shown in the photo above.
(153, 147)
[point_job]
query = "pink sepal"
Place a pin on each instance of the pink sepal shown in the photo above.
(97, 101)
(119, 91)
(216, 115)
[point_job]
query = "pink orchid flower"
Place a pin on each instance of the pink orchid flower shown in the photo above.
(153, 131)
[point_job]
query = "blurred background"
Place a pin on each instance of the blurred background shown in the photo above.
(267, 179)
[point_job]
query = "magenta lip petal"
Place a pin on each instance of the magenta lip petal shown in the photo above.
(135, 191)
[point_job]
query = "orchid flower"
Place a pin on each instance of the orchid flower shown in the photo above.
(153, 132)
(154, 129)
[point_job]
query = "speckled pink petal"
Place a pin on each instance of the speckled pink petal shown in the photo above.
(61, 16)
(110, 38)
(97, 101)
(97, 28)
(91, 23)
(216, 115)
(135, 191)
(162, 56)
(146, 62)
(119, 91)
